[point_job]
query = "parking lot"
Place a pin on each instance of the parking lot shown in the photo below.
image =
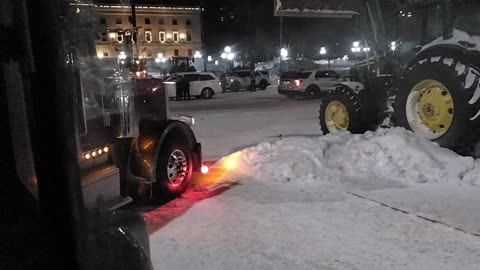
(232, 121)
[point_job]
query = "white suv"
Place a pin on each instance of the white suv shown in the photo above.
(309, 84)
(202, 84)
(241, 79)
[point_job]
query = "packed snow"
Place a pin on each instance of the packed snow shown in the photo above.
(386, 154)
(381, 200)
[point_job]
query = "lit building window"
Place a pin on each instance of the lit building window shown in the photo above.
(169, 37)
(148, 36)
(175, 36)
(161, 36)
(182, 36)
(104, 36)
(112, 36)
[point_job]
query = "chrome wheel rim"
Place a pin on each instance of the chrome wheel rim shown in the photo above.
(177, 168)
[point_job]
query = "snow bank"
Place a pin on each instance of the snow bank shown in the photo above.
(387, 154)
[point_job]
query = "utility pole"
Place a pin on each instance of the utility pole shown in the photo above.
(202, 34)
(281, 43)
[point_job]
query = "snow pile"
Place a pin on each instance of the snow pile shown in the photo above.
(387, 154)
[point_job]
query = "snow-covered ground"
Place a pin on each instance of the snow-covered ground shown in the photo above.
(381, 200)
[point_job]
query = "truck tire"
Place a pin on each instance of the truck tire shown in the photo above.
(438, 98)
(263, 84)
(312, 92)
(207, 93)
(340, 110)
(235, 86)
(174, 170)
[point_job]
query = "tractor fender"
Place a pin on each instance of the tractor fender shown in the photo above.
(356, 87)
(446, 51)
(147, 147)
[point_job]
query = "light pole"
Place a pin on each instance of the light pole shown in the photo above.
(229, 55)
(323, 52)
(356, 49)
(283, 55)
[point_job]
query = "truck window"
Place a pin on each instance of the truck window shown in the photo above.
(467, 18)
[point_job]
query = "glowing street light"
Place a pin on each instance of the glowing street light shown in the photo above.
(227, 49)
(393, 45)
(100, 56)
(122, 56)
(284, 52)
(323, 51)
(160, 55)
(223, 56)
(366, 49)
(356, 44)
(216, 62)
(209, 58)
(157, 60)
(197, 54)
(230, 56)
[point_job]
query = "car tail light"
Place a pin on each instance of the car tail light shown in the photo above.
(298, 82)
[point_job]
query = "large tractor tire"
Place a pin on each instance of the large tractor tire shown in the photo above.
(439, 98)
(341, 110)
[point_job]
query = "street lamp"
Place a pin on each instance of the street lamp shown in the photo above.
(227, 49)
(283, 53)
(223, 56)
(356, 44)
(209, 58)
(230, 56)
(393, 45)
(197, 55)
(323, 52)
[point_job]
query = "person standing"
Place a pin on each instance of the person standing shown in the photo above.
(253, 86)
(179, 90)
(186, 89)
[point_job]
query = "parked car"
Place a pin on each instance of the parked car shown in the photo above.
(202, 84)
(309, 84)
(241, 79)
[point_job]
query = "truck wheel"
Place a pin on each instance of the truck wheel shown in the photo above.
(174, 170)
(235, 86)
(207, 93)
(263, 85)
(312, 92)
(340, 111)
(436, 99)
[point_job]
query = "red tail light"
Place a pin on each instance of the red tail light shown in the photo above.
(298, 82)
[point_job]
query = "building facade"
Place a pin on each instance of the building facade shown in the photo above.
(170, 31)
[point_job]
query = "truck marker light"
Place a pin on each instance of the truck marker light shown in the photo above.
(87, 156)
(99, 151)
(105, 149)
(94, 154)
(204, 169)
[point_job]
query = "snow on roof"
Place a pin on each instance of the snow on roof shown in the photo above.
(312, 8)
